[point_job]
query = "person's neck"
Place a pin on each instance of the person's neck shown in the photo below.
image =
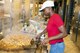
(51, 13)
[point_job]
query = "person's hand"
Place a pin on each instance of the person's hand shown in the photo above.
(38, 36)
(45, 41)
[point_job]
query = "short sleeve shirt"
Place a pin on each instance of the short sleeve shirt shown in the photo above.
(53, 25)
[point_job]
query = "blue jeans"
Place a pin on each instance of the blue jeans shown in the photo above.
(57, 48)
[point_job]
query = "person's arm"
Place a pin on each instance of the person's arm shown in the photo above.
(43, 32)
(61, 35)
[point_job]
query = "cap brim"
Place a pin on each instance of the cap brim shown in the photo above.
(40, 10)
(44, 8)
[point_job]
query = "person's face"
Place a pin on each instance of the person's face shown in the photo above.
(46, 11)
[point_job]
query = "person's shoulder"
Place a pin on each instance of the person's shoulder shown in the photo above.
(56, 14)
